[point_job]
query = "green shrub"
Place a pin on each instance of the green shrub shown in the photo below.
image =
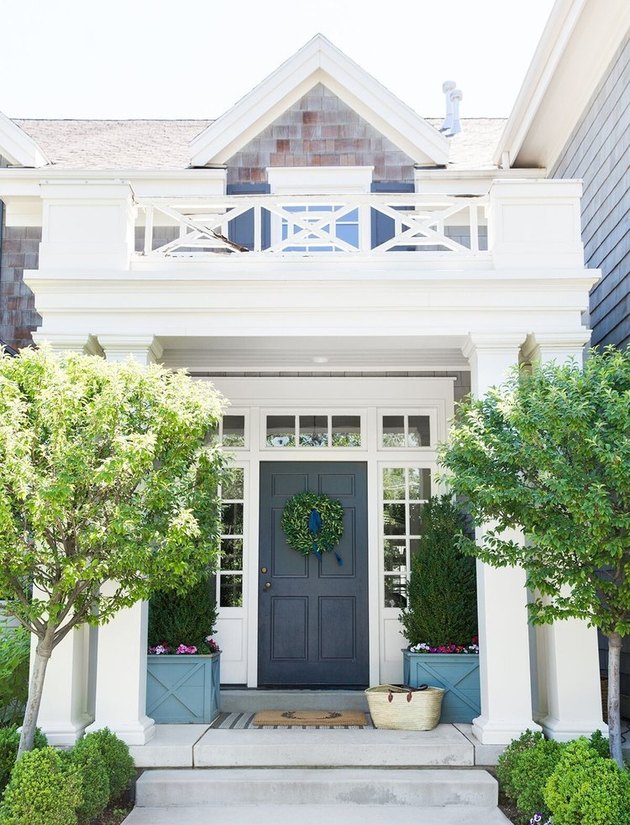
(44, 790)
(118, 761)
(531, 771)
(509, 758)
(587, 788)
(15, 648)
(600, 743)
(86, 756)
(183, 618)
(442, 592)
(9, 741)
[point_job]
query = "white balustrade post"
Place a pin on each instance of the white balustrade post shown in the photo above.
(504, 657)
(571, 705)
(121, 679)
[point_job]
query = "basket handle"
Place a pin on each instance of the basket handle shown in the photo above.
(415, 690)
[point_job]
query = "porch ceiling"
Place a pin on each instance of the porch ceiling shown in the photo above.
(309, 354)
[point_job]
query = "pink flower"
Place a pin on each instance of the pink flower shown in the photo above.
(186, 649)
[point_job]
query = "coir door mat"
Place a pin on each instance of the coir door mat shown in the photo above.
(309, 718)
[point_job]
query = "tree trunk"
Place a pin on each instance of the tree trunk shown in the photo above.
(36, 686)
(614, 714)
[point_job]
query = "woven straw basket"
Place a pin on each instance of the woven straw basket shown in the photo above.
(401, 708)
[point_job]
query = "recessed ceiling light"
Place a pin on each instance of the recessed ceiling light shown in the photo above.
(320, 359)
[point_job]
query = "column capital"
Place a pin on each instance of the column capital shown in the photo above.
(496, 342)
(143, 348)
(63, 342)
(546, 346)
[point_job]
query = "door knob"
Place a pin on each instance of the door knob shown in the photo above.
(263, 569)
(267, 585)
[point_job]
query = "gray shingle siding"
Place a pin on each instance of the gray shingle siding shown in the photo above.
(18, 317)
(599, 153)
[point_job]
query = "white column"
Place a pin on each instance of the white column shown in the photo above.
(63, 713)
(504, 657)
(569, 651)
(121, 677)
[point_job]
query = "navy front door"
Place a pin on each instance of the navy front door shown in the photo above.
(313, 612)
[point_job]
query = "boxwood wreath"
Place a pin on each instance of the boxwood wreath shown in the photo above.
(313, 523)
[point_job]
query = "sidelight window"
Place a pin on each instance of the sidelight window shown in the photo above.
(405, 490)
(230, 572)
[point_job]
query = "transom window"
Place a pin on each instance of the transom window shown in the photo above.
(232, 431)
(230, 571)
(313, 431)
(405, 491)
(404, 431)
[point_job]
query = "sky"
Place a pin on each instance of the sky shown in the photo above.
(196, 58)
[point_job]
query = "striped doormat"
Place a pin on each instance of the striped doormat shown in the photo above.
(242, 721)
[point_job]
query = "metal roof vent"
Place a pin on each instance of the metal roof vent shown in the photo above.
(451, 124)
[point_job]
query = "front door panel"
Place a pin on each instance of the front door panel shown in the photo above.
(313, 612)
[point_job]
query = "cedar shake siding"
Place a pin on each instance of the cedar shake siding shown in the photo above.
(599, 153)
(18, 317)
(319, 130)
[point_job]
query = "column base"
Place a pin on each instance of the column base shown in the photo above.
(132, 733)
(64, 734)
(564, 731)
(500, 732)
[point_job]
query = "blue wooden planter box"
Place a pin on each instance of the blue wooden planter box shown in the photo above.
(183, 689)
(457, 673)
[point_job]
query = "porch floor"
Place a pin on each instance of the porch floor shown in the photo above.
(187, 746)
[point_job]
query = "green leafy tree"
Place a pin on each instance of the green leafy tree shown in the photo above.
(442, 590)
(549, 453)
(107, 473)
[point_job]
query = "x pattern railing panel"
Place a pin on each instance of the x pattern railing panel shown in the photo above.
(309, 224)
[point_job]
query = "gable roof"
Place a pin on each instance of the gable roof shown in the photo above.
(164, 144)
(319, 61)
(17, 147)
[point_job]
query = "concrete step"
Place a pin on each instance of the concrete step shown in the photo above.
(250, 700)
(216, 787)
(443, 746)
(330, 814)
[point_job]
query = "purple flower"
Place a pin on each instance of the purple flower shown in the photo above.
(159, 650)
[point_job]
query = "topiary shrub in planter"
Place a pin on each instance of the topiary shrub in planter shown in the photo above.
(440, 620)
(587, 788)
(183, 665)
(44, 790)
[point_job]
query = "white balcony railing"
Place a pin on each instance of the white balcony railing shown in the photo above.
(307, 224)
